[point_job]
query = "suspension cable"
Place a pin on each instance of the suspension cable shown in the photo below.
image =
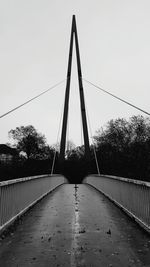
(90, 128)
(54, 158)
(67, 148)
(95, 156)
(120, 99)
(81, 129)
(33, 98)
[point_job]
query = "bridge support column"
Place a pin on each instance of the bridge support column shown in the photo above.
(82, 101)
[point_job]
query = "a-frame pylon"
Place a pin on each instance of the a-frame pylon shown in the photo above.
(74, 35)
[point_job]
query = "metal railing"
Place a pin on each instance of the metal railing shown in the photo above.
(16, 196)
(132, 196)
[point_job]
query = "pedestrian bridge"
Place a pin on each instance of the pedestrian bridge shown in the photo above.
(75, 225)
(103, 222)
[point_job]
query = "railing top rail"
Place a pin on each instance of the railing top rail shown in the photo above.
(24, 179)
(129, 180)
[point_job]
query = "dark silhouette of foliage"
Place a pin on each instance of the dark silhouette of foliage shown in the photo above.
(29, 141)
(123, 148)
(24, 168)
(35, 158)
(75, 167)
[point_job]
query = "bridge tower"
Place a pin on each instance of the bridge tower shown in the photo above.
(74, 36)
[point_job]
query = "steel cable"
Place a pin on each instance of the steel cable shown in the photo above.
(91, 135)
(30, 100)
(59, 127)
(120, 99)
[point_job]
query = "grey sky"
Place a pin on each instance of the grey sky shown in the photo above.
(114, 39)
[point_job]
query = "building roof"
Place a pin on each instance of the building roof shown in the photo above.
(5, 149)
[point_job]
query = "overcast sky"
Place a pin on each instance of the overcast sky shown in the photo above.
(114, 39)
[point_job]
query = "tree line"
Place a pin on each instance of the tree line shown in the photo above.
(122, 148)
(34, 156)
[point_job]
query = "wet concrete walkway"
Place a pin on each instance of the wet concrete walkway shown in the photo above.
(75, 226)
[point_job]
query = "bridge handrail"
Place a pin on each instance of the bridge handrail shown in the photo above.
(128, 180)
(133, 196)
(18, 195)
(24, 179)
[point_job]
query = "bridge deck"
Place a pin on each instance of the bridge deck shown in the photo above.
(76, 226)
